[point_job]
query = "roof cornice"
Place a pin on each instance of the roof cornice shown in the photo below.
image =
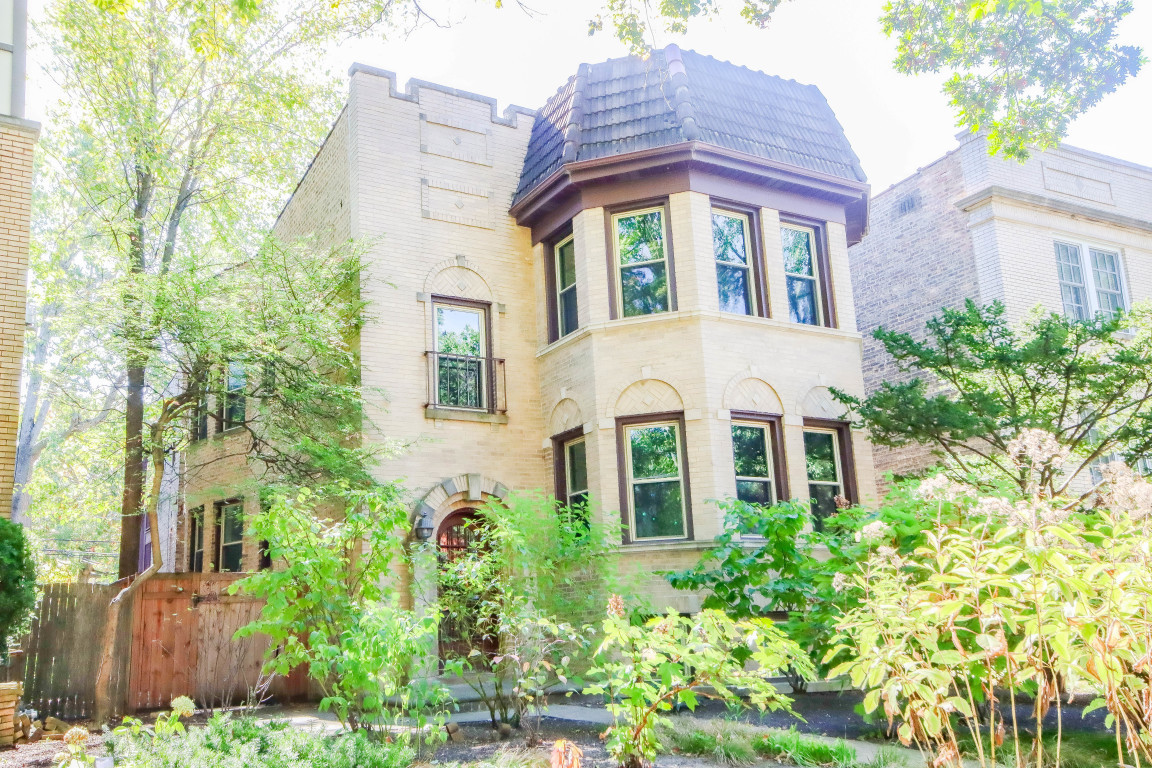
(574, 175)
(1075, 210)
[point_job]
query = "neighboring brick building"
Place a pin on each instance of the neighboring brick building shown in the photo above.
(17, 140)
(593, 299)
(1068, 230)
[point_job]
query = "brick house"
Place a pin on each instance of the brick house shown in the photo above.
(17, 142)
(637, 296)
(1069, 231)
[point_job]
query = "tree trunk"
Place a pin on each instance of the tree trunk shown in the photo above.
(105, 707)
(136, 367)
(133, 474)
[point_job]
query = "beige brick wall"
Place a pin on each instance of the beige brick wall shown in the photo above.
(17, 139)
(424, 179)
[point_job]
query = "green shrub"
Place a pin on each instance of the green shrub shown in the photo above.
(227, 742)
(331, 604)
(17, 582)
(1030, 595)
(645, 670)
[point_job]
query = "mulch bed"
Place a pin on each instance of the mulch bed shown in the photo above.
(40, 753)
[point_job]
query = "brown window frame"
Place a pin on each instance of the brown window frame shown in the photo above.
(622, 470)
(612, 260)
(823, 266)
(843, 430)
(551, 280)
(490, 383)
(559, 461)
(196, 524)
(774, 422)
(756, 256)
(218, 531)
(227, 397)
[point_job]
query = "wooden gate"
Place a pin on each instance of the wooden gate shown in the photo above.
(183, 644)
(175, 639)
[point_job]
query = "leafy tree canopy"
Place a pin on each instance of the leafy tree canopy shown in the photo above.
(980, 382)
(1022, 70)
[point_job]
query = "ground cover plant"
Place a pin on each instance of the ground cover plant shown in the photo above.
(1029, 595)
(229, 742)
(735, 743)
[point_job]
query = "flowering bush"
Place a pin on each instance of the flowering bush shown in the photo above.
(1026, 594)
(645, 670)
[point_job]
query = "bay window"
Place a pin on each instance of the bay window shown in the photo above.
(566, 302)
(642, 270)
(802, 274)
(828, 466)
(757, 459)
(654, 478)
(731, 245)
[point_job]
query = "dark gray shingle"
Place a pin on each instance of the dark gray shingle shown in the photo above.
(629, 104)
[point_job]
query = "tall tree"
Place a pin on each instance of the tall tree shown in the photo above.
(978, 383)
(1021, 70)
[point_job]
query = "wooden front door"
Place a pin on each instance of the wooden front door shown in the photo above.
(458, 535)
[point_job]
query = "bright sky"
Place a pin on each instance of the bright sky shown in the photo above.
(896, 123)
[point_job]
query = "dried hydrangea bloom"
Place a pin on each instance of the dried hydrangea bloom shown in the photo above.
(76, 736)
(616, 606)
(1037, 448)
(1125, 491)
(182, 706)
(876, 530)
(839, 581)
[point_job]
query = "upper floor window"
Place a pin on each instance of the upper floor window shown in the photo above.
(1083, 299)
(233, 402)
(655, 478)
(462, 371)
(566, 307)
(200, 419)
(802, 271)
(641, 261)
(731, 244)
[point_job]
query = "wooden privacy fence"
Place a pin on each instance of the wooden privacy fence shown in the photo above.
(174, 639)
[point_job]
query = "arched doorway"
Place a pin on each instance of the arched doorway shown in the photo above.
(458, 535)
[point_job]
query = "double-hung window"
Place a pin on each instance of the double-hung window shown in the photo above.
(566, 304)
(641, 262)
(461, 360)
(827, 474)
(1090, 280)
(731, 245)
(754, 459)
(233, 403)
(230, 536)
(200, 419)
(654, 465)
(802, 274)
(196, 541)
(576, 473)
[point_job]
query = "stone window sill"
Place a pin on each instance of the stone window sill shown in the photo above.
(454, 414)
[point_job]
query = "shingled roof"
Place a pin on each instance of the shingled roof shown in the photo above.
(629, 104)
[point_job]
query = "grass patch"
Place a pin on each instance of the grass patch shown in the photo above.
(733, 743)
(1079, 749)
(227, 742)
(887, 757)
